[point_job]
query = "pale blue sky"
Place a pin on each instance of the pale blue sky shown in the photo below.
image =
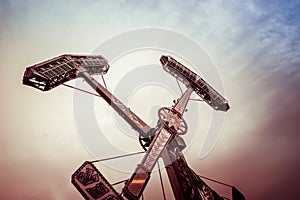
(254, 44)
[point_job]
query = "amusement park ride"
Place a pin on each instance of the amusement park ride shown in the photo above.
(163, 141)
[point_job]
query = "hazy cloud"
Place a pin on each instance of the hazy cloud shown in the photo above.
(255, 45)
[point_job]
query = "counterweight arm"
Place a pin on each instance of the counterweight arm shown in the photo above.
(132, 119)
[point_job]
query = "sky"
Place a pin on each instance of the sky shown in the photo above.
(254, 45)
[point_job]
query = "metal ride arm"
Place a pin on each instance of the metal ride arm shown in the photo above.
(170, 124)
(135, 122)
(184, 183)
(54, 72)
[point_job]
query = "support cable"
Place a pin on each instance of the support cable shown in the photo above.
(103, 81)
(70, 86)
(179, 86)
(215, 181)
(119, 182)
(121, 156)
(219, 182)
(182, 91)
(161, 181)
(196, 99)
(85, 91)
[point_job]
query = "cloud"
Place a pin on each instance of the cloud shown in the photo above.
(254, 43)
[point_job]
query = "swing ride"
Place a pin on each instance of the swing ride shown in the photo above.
(162, 141)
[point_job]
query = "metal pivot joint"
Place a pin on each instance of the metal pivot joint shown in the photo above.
(172, 121)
